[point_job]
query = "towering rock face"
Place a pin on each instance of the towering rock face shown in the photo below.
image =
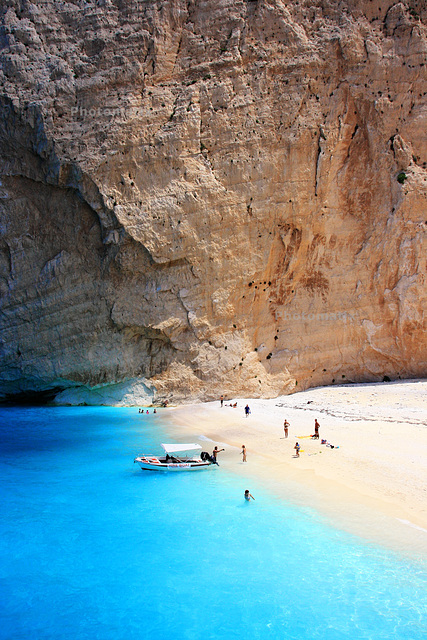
(212, 197)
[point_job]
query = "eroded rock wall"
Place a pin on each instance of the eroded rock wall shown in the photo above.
(212, 197)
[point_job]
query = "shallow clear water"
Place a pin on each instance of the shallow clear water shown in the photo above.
(93, 547)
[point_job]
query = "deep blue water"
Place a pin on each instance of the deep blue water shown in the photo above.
(93, 547)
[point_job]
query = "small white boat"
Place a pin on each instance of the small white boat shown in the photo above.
(177, 457)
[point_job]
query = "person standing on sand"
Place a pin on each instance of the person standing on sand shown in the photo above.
(297, 448)
(222, 400)
(215, 453)
(316, 429)
(285, 428)
(243, 452)
(247, 411)
(248, 495)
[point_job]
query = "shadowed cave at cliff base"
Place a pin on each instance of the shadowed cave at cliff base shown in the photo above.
(217, 197)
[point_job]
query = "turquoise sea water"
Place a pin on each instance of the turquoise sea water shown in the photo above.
(93, 547)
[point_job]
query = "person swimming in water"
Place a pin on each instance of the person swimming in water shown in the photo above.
(248, 495)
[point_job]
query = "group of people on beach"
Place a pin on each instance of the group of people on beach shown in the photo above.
(297, 446)
(286, 425)
(315, 436)
(234, 405)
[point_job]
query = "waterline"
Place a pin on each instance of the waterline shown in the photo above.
(93, 547)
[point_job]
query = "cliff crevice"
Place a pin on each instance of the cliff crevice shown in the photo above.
(206, 198)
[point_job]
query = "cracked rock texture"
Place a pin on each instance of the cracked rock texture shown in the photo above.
(206, 197)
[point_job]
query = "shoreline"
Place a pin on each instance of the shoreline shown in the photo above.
(374, 473)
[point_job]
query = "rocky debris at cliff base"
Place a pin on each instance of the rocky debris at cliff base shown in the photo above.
(233, 190)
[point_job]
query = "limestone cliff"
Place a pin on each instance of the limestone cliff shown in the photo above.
(211, 197)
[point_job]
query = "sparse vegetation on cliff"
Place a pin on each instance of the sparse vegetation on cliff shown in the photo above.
(183, 181)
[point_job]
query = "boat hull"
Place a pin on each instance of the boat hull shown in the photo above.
(190, 465)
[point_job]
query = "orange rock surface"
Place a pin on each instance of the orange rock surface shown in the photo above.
(212, 197)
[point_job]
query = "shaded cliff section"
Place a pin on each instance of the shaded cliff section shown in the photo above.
(205, 198)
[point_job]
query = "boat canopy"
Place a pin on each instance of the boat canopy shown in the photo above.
(184, 450)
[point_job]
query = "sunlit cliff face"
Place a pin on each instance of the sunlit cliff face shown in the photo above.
(217, 197)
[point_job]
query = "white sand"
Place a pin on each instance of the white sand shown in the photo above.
(379, 461)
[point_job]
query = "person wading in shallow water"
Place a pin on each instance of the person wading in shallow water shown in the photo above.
(215, 453)
(248, 495)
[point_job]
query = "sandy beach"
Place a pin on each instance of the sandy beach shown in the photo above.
(378, 463)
